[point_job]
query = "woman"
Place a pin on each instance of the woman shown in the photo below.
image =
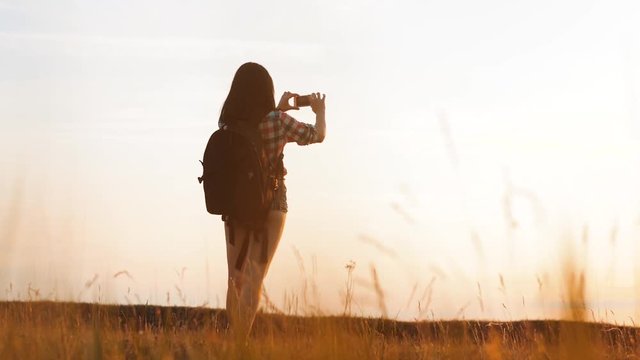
(251, 100)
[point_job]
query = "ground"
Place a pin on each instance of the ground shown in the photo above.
(55, 330)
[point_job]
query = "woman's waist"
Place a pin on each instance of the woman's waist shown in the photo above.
(277, 169)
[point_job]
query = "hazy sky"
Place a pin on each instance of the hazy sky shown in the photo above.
(466, 140)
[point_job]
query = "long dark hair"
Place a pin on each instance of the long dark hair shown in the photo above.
(251, 96)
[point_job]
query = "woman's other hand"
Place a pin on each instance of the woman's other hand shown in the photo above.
(283, 104)
(317, 103)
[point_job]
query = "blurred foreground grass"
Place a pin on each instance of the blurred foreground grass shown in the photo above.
(55, 330)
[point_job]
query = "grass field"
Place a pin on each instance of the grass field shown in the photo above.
(55, 330)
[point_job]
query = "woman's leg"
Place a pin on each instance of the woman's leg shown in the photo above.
(257, 267)
(235, 236)
(245, 283)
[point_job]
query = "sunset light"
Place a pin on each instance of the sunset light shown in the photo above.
(477, 155)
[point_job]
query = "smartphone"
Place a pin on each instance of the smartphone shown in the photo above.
(299, 101)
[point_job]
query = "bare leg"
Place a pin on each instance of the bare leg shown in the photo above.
(245, 284)
(235, 276)
(256, 267)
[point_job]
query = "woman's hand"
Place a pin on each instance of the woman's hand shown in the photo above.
(317, 103)
(283, 104)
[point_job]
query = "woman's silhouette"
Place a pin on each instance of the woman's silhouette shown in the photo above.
(251, 100)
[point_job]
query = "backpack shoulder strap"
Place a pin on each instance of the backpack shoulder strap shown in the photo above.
(253, 134)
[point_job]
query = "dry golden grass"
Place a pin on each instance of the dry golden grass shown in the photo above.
(50, 330)
(58, 330)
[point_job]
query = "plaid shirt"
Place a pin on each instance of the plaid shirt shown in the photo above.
(278, 129)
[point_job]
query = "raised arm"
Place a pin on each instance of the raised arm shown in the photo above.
(317, 105)
(302, 133)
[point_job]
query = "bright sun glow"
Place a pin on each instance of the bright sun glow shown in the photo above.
(471, 149)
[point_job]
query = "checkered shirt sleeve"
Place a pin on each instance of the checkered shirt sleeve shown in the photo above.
(278, 128)
(298, 132)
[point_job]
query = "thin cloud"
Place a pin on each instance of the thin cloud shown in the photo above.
(4, 5)
(170, 46)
